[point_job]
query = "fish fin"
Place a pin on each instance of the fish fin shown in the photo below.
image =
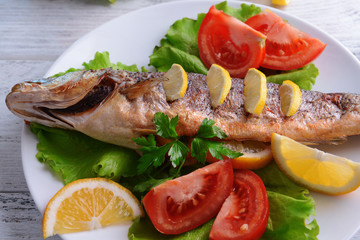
(142, 87)
(144, 132)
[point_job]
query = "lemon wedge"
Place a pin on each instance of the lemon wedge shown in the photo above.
(89, 204)
(281, 2)
(177, 83)
(315, 169)
(256, 154)
(290, 97)
(219, 83)
(255, 91)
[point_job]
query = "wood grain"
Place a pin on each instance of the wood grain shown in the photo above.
(33, 33)
(20, 218)
(13, 71)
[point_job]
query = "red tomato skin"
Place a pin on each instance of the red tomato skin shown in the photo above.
(182, 204)
(287, 47)
(230, 43)
(245, 213)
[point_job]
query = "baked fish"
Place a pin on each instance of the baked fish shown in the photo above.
(115, 106)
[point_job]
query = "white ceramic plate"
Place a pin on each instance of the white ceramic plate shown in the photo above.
(131, 38)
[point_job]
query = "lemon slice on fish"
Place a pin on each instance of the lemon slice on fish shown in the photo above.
(290, 97)
(89, 204)
(177, 83)
(219, 83)
(319, 171)
(281, 2)
(255, 91)
(256, 154)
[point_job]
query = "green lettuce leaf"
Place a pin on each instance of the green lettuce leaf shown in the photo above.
(73, 155)
(142, 229)
(304, 77)
(243, 13)
(100, 61)
(291, 207)
(164, 57)
(183, 35)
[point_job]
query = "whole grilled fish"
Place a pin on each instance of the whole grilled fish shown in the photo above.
(115, 106)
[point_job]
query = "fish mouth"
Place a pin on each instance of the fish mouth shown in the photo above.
(49, 104)
(91, 100)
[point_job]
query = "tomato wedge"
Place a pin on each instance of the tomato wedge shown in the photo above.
(287, 47)
(230, 43)
(244, 214)
(182, 204)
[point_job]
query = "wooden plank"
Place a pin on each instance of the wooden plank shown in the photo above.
(19, 218)
(44, 29)
(12, 176)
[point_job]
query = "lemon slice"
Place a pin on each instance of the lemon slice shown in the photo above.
(281, 2)
(290, 97)
(177, 83)
(255, 154)
(89, 204)
(315, 169)
(219, 83)
(255, 91)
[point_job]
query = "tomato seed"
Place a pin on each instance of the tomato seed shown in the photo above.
(242, 210)
(244, 227)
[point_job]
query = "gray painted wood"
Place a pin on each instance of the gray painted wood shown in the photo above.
(33, 33)
(20, 218)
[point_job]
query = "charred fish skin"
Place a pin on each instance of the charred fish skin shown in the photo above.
(115, 106)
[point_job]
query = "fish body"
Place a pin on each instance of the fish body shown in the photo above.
(115, 106)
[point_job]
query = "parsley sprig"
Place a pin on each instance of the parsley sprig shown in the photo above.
(154, 156)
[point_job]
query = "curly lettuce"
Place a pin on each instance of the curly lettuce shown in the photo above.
(304, 77)
(291, 207)
(73, 155)
(101, 60)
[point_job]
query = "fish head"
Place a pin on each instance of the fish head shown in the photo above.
(54, 101)
(105, 104)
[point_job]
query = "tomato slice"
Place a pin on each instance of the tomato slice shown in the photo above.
(244, 214)
(182, 204)
(230, 43)
(287, 47)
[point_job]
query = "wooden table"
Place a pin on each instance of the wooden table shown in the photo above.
(33, 33)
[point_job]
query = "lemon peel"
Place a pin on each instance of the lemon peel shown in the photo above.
(88, 204)
(177, 83)
(290, 97)
(219, 84)
(317, 170)
(255, 91)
